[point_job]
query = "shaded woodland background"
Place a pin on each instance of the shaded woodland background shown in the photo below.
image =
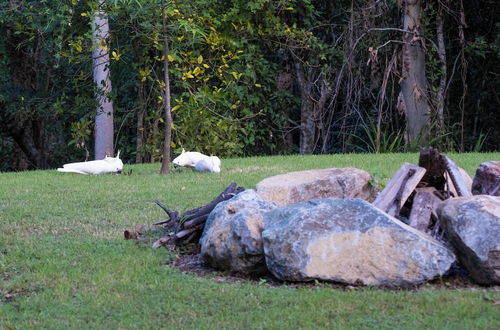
(247, 77)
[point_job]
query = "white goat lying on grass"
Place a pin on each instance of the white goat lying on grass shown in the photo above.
(106, 165)
(198, 161)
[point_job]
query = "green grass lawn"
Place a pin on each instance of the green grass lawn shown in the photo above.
(64, 262)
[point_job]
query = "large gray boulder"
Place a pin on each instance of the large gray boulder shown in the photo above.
(231, 239)
(472, 225)
(302, 186)
(349, 241)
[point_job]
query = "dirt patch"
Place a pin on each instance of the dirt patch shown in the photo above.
(9, 296)
(192, 263)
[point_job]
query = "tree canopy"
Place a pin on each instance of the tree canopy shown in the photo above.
(253, 77)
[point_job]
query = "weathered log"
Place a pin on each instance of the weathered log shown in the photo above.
(456, 177)
(450, 186)
(185, 232)
(425, 203)
(398, 203)
(163, 241)
(399, 188)
(195, 221)
(166, 222)
(229, 192)
(431, 160)
(189, 225)
(173, 215)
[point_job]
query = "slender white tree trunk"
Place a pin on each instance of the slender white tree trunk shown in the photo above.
(168, 114)
(165, 169)
(101, 72)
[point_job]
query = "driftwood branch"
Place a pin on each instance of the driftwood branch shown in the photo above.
(195, 221)
(173, 215)
(187, 227)
(228, 193)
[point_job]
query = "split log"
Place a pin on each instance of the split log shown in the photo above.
(399, 188)
(456, 177)
(425, 203)
(450, 186)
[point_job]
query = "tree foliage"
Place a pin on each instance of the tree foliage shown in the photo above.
(248, 77)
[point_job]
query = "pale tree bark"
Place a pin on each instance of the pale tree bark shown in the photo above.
(101, 72)
(414, 96)
(165, 169)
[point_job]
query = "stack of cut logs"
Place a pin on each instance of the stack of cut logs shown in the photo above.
(185, 228)
(414, 192)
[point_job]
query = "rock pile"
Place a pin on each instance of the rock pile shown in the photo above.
(311, 228)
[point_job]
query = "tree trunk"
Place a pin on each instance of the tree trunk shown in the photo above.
(307, 112)
(414, 96)
(139, 159)
(441, 94)
(101, 72)
(165, 162)
(140, 129)
(29, 137)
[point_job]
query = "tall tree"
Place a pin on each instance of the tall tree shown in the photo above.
(308, 111)
(101, 72)
(441, 50)
(414, 98)
(165, 169)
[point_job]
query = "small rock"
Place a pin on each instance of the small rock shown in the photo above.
(349, 241)
(294, 187)
(472, 225)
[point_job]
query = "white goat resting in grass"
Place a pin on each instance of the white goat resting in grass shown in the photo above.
(106, 165)
(198, 161)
